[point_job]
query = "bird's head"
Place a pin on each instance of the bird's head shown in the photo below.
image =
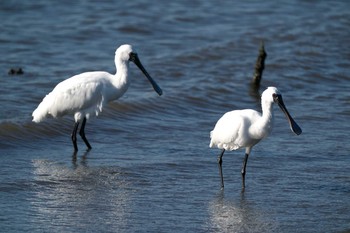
(272, 95)
(269, 95)
(125, 53)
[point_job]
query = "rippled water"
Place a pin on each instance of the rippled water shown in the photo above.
(150, 169)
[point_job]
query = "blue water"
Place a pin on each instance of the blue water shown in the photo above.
(150, 169)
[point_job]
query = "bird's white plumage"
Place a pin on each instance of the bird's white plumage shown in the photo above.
(244, 128)
(85, 94)
(232, 132)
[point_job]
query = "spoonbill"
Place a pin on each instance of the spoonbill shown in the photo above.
(244, 128)
(86, 94)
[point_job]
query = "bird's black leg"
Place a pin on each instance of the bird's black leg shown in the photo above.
(220, 167)
(244, 169)
(74, 136)
(82, 134)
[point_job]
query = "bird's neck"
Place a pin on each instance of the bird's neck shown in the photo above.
(267, 113)
(122, 73)
(265, 122)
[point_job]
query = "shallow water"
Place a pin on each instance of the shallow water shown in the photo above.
(150, 169)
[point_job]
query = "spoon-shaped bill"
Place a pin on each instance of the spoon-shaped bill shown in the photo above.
(134, 57)
(293, 125)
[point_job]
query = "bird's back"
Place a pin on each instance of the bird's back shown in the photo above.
(81, 95)
(231, 132)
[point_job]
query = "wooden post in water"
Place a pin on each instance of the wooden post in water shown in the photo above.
(259, 67)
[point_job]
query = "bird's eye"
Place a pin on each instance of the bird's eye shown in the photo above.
(274, 96)
(132, 56)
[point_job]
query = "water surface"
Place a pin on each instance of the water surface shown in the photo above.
(150, 169)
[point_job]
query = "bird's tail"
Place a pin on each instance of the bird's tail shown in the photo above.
(41, 112)
(38, 115)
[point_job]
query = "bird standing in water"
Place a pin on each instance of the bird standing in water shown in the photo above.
(86, 94)
(245, 128)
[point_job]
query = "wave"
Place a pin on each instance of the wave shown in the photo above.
(23, 132)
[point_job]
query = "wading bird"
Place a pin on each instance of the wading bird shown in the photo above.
(245, 128)
(86, 94)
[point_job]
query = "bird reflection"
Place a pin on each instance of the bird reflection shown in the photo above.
(227, 215)
(65, 195)
(83, 158)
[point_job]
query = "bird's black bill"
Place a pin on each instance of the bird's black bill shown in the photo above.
(136, 60)
(293, 125)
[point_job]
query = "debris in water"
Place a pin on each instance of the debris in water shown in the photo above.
(15, 71)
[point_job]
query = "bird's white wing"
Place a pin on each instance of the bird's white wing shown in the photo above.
(81, 93)
(231, 132)
(225, 131)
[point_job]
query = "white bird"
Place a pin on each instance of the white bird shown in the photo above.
(245, 128)
(86, 94)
